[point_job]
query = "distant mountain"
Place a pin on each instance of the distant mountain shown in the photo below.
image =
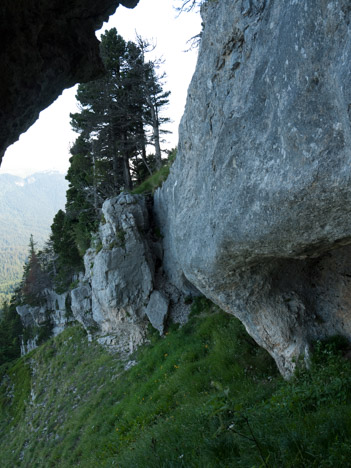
(27, 206)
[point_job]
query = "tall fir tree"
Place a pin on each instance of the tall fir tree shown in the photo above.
(34, 280)
(119, 116)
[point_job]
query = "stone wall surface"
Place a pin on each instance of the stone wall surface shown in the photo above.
(121, 272)
(256, 211)
(46, 46)
(118, 294)
(52, 311)
(122, 288)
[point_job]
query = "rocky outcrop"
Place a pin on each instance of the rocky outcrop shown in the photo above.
(157, 310)
(118, 294)
(81, 306)
(46, 46)
(256, 211)
(122, 290)
(47, 319)
(119, 274)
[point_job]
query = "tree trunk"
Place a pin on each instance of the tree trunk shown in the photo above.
(155, 132)
(126, 173)
(96, 207)
(143, 157)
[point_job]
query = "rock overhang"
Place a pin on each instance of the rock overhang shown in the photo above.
(47, 46)
(261, 184)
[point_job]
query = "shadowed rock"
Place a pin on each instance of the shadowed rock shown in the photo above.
(46, 47)
(261, 184)
(157, 310)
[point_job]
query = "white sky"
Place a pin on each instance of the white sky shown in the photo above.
(45, 146)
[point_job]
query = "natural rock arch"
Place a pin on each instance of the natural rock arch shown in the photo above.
(46, 46)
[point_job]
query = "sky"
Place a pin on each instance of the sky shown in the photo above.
(45, 146)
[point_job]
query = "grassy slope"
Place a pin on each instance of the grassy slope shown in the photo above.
(156, 180)
(203, 396)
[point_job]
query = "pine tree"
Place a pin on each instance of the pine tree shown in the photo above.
(69, 260)
(155, 98)
(34, 279)
(119, 116)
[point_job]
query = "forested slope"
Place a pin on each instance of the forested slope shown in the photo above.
(27, 206)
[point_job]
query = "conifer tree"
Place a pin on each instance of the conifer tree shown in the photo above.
(34, 279)
(119, 116)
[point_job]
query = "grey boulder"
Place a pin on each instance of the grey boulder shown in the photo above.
(260, 191)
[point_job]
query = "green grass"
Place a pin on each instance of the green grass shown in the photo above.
(202, 396)
(156, 180)
(153, 182)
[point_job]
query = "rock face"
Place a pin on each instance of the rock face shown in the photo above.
(81, 306)
(123, 287)
(119, 273)
(46, 46)
(256, 211)
(53, 315)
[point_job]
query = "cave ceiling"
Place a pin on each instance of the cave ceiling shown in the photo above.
(46, 47)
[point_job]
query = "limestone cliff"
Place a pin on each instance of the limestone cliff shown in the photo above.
(49, 318)
(256, 211)
(122, 289)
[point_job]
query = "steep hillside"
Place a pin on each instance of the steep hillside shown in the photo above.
(27, 206)
(202, 396)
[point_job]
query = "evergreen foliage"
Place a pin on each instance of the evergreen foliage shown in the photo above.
(34, 279)
(67, 259)
(116, 114)
(120, 114)
(10, 331)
